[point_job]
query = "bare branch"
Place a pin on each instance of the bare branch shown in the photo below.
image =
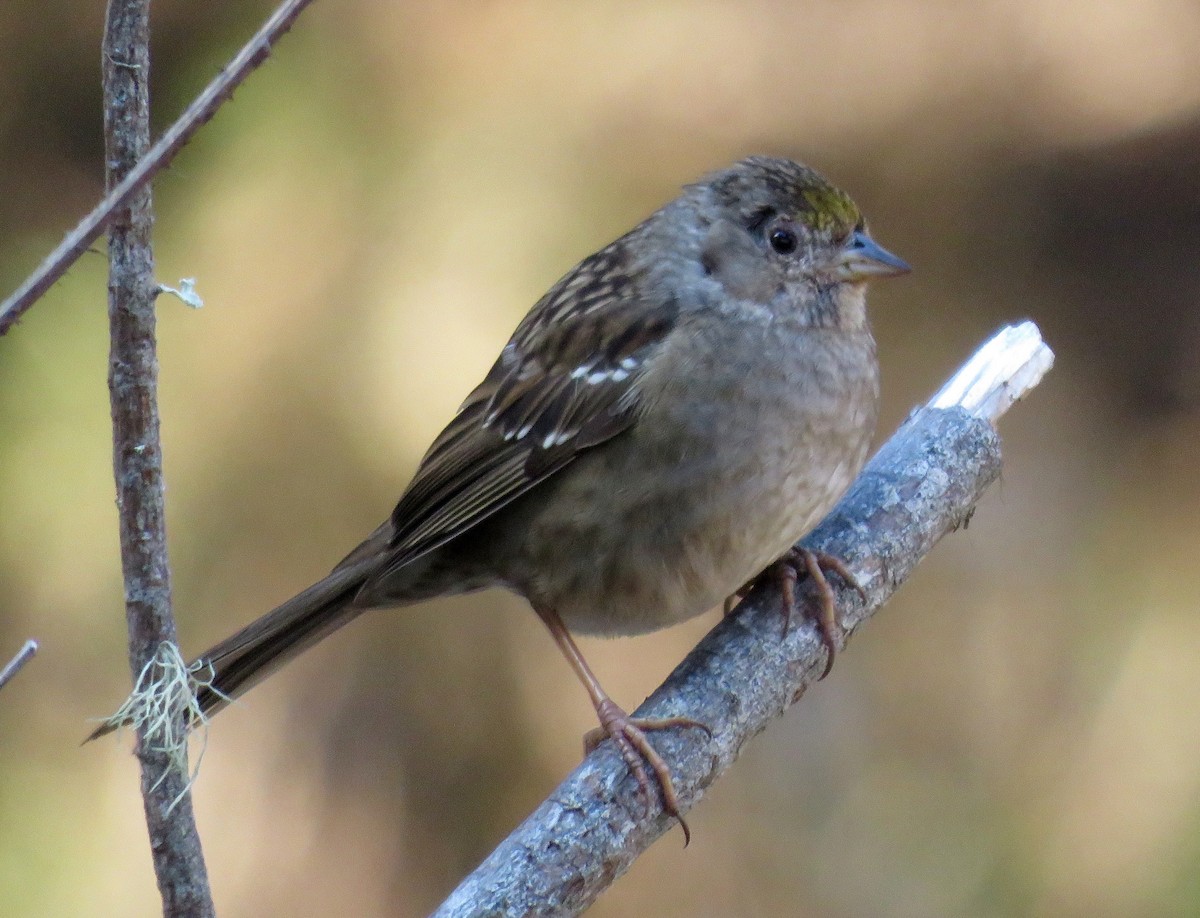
(24, 655)
(121, 193)
(999, 374)
(137, 452)
(923, 483)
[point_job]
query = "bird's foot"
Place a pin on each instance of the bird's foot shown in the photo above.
(804, 562)
(629, 734)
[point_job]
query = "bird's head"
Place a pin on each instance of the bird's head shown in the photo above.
(775, 233)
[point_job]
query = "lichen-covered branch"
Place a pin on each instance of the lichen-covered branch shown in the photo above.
(923, 483)
(137, 453)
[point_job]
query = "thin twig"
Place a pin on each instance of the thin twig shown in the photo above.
(923, 483)
(154, 161)
(137, 451)
(24, 655)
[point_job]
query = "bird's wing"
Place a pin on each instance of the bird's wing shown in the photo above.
(566, 381)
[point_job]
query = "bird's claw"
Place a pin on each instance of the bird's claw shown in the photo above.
(813, 564)
(629, 735)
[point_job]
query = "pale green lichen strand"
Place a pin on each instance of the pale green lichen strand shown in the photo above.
(163, 710)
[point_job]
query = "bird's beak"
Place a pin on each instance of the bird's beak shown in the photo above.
(863, 258)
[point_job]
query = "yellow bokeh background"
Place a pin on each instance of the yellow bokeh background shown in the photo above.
(1016, 734)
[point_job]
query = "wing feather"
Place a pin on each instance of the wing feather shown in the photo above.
(566, 381)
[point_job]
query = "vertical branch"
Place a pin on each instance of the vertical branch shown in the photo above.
(137, 453)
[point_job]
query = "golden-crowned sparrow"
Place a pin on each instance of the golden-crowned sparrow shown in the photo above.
(668, 420)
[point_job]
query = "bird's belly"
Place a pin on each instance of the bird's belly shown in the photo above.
(642, 578)
(690, 521)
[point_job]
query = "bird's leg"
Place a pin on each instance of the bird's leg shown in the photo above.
(629, 733)
(813, 564)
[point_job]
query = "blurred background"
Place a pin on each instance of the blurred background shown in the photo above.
(1016, 734)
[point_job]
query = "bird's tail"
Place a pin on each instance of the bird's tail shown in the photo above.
(244, 659)
(230, 668)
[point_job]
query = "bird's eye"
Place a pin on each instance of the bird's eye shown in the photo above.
(783, 240)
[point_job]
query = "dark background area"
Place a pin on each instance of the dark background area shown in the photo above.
(379, 205)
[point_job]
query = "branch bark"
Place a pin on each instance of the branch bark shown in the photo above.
(122, 193)
(24, 655)
(923, 483)
(137, 454)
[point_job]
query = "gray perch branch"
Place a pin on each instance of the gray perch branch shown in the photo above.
(923, 483)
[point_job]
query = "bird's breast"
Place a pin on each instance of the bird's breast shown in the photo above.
(733, 461)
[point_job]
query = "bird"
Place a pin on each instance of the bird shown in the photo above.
(665, 424)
